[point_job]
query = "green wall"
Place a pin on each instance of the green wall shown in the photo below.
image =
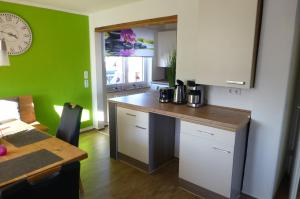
(52, 70)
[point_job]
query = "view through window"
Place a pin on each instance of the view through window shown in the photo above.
(126, 70)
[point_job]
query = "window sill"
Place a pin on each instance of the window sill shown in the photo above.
(126, 87)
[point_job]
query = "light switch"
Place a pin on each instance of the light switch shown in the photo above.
(86, 83)
(86, 74)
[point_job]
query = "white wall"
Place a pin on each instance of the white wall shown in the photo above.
(140, 10)
(267, 100)
(98, 78)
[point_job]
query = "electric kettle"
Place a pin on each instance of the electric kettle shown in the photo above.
(179, 93)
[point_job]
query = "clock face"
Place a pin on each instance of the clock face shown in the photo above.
(16, 32)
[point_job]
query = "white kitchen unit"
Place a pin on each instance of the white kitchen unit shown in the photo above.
(212, 142)
(144, 140)
(133, 134)
(218, 41)
(166, 44)
(211, 160)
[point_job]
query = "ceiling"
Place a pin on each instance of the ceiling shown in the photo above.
(79, 6)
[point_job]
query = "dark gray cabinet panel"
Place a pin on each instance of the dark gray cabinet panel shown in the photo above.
(162, 140)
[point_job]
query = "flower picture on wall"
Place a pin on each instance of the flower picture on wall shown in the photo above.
(137, 42)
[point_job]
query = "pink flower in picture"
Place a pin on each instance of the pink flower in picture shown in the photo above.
(128, 36)
(127, 52)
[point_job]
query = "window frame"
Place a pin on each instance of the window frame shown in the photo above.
(127, 85)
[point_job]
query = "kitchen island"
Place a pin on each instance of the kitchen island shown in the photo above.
(212, 141)
(215, 116)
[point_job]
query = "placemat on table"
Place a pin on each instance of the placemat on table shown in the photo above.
(27, 163)
(27, 137)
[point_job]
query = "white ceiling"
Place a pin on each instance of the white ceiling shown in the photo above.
(77, 6)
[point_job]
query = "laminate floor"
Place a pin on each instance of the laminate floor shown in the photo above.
(104, 178)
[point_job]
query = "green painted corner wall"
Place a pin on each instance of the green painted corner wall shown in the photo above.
(52, 70)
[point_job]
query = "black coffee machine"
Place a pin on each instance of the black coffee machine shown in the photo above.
(166, 95)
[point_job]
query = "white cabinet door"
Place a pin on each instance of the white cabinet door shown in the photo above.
(206, 157)
(205, 164)
(217, 42)
(133, 134)
(133, 141)
(166, 44)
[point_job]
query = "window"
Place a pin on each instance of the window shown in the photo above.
(135, 69)
(126, 70)
(115, 73)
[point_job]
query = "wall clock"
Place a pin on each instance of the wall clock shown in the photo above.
(16, 32)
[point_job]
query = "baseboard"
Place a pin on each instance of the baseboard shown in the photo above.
(133, 162)
(90, 128)
(247, 196)
(199, 191)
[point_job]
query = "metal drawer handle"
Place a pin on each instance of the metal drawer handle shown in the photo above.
(131, 114)
(218, 149)
(139, 127)
(235, 82)
(206, 132)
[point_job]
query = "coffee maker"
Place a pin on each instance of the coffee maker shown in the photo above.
(179, 93)
(166, 95)
(195, 94)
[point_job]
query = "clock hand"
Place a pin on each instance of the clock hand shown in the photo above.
(10, 34)
(13, 35)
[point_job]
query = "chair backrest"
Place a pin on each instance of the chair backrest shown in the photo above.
(64, 184)
(69, 127)
(26, 109)
(18, 190)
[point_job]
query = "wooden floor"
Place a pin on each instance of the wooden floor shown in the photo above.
(104, 178)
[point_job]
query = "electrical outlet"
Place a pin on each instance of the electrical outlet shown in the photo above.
(235, 91)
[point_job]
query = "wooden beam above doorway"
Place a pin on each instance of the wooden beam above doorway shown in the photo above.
(142, 23)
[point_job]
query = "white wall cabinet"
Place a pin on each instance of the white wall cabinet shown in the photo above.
(217, 41)
(133, 134)
(166, 44)
(206, 159)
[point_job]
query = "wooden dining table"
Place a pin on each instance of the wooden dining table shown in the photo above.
(66, 153)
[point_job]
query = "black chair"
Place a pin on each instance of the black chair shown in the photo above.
(64, 184)
(69, 127)
(46, 188)
(18, 190)
(69, 181)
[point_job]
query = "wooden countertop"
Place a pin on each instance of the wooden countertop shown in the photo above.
(214, 116)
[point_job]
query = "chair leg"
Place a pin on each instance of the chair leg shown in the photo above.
(81, 186)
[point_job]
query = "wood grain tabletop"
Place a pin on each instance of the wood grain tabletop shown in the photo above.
(215, 116)
(67, 152)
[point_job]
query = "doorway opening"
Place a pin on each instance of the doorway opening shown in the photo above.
(133, 57)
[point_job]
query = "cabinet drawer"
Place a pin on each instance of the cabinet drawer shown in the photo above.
(209, 133)
(132, 117)
(133, 141)
(205, 164)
